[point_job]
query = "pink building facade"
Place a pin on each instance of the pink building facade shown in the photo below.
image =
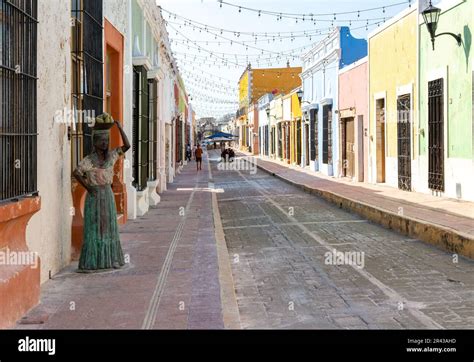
(354, 121)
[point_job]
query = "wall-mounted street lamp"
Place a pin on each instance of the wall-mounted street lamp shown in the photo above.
(431, 16)
(299, 94)
(267, 111)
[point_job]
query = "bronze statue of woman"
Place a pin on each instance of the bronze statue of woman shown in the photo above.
(101, 242)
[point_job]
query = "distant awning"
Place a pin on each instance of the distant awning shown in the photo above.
(221, 139)
(220, 135)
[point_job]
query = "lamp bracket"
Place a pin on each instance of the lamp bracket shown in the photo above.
(455, 36)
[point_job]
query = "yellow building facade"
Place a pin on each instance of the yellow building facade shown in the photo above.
(292, 115)
(297, 129)
(393, 59)
(254, 83)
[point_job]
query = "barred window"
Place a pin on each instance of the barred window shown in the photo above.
(178, 138)
(313, 133)
(152, 128)
(18, 123)
(140, 128)
(87, 74)
(327, 134)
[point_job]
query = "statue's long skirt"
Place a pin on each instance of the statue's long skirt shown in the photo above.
(101, 243)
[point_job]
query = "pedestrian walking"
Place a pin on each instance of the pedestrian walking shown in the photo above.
(198, 155)
(231, 155)
(225, 155)
(188, 152)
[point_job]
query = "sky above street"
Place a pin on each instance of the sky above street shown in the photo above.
(211, 62)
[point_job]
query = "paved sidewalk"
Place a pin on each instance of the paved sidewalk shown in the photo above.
(178, 277)
(446, 223)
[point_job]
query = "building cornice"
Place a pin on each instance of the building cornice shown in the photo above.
(318, 46)
(142, 61)
(334, 55)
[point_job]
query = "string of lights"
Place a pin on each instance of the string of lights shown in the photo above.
(309, 16)
(206, 27)
(211, 110)
(214, 88)
(203, 49)
(289, 52)
(247, 46)
(194, 92)
(202, 61)
(211, 94)
(204, 77)
(270, 60)
(247, 56)
(212, 75)
(292, 37)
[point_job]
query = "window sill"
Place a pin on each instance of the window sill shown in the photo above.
(15, 209)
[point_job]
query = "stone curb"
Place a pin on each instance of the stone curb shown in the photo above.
(442, 237)
(230, 308)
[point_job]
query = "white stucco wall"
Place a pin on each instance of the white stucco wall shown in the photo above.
(49, 231)
(119, 14)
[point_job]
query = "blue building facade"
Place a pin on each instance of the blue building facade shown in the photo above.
(320, 78)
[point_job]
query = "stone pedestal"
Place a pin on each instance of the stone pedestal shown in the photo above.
(162, 180)
(142, 202)
(153, 197)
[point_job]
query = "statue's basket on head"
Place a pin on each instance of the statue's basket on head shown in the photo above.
(103, 122)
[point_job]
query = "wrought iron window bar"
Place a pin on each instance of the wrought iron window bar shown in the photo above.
(87, 74)
(140, 128)
(18, 110)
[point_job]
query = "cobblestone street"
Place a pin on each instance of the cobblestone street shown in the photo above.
(275, 178)
(272, 270)
(278, 236)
